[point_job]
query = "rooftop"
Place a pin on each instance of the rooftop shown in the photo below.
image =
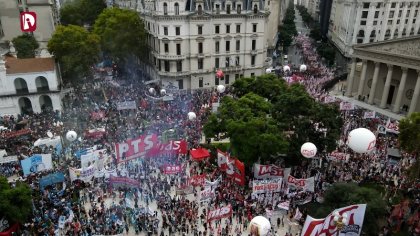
(17, 66)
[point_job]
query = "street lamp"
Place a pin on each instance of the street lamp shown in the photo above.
(340, 221)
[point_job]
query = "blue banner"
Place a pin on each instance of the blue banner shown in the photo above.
(35, 163)
(51, 179)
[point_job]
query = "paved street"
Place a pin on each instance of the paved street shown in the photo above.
(293, 53)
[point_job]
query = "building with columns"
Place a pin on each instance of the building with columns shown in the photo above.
(387, 74)
(190, 39)
(28, 85)
(363, 21)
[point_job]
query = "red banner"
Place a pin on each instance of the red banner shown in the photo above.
(17, 133)
(123, 181)
(147, 146)
(232, 166)
(97, 115)
(219, 213)
(172, 169)
(269, 171)
(198, 180)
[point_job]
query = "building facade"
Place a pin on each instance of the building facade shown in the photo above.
(354, 21)
(387, 74)
(28, 85)
(190, 39)
(324, 16)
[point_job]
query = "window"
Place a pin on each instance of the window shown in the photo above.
(226, 79)
(165, 8)
(236, 76)
(178, 49)
(165, 30)
(398, 22)
(391, 14)
(200, 9)
(217, 62)
(200, 63)
(179, 66)
(227, 29)
(227, 46)
(180, 84)
(238, 45)
(415, 13)
(254, 28)
(237, 61)
(167, 67)
(378, 5)
(364, 14)
(217, 29)
(228, 9)
(177, 30)
(200, 29)
(366, 5)
(389, 22)
(252, 74)
(255, 9)
(375, 22)
(166, 48)
(406, 21)
(363, 22)
(376, 14)
(216, 80)
(238, 29)
(393, 5)
(227, 61)
(400, 13)
(217, 46)
(176, 8)
(200, 48)
(160, 65)
(408, 13)
(217, 9)
(253, 60)
(238, 9)
(254, 44)
(200, 82)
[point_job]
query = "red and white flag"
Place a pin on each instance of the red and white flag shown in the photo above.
(327, 227)
(219, 213)
(298, 214)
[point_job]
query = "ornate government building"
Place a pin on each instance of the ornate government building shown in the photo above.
(387, 74)
(191, 39)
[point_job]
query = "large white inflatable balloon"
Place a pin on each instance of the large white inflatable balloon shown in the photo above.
(220, 88)
(151, 90)
(308, 150)
(259, 226)
(162, 92)
(361, 140)
(71, 136)
(286, 68)
(191, 116)
(268, 70)
(302, 68)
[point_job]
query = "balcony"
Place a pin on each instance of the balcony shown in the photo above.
(174, 73)
(229, 69)
(168, 56)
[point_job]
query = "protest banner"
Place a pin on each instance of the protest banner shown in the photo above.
(355, 217)
(219, 213)
(198, 180)
(392, 126)
(83, 174)
(346, 106)
(98, 115)
(8, 159)
(123, 181)
(264, 186)
(369, 115)
(234, 168)
(303, 184)
(304, 200)
(51, 179)
(172, 169)
(338, 156)
(329, 99)
(207, 194)
(184, 190)
(126, 105)
(36, 163)
(17, 133)
(284, 205)
(269, 171)
(93, 158)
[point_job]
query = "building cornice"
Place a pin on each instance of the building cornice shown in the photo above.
(387, 58)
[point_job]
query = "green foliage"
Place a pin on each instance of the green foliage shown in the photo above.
(409, 136)
(306, 17)
(122, 33)
(263, 109)
(344, 194)
(76, 49)
(328, 52)
(288, 29)
(25, 45)
(80, 12)
(315, 33)
(15, 203)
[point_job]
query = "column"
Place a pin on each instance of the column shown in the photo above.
(350, 79)
(362, 78)
(374, 82)
(387, 86)
(416, 95)
(401, 89)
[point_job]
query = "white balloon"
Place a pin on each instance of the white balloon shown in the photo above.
(220, 88)
(302, 68)
(49, 134)
(191, 116)
(268, 70)
(308, 150)
(71, 136)
(361, 140)
(162, 91)
(259, 225)
(286, 68)
(151, 90)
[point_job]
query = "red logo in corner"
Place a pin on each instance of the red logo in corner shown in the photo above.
(28, 21)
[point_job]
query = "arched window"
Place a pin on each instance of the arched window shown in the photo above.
(373, 34)
(361, 33)
(176, 7)
(404, 33)
(45, 103)
(21, 86)
(165, 8)
(200, 9)
(387, 34)
(238, 9)
(255, 9)
(41, 84)
(412, 31)
(25, 105)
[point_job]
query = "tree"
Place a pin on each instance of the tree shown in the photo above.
(25, 45)
(122, 33)
(409, 139)
(316, 33)
(80, 12)
(76, 49)
(15, 203)
(344, 194)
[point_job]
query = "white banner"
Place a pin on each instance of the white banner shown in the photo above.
(264, 186)
(83, 174)
(7, 159)
(207, 194)
(346, 106)
(270, 171)
(284, 205)
(298, 214)
(338, 156)
(392, 126)
(126, 105)
(326, 226)
(329, 99)
(369, 115)
(95, 158)
(214, 184)
(304, 184)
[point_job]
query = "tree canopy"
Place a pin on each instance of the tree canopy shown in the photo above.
(80, 12)
(15, 202)
(288, 29)
(76, 49)
(266, 117)
(122, 33)
(345, 194)
(25, 45)
(409, 139)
